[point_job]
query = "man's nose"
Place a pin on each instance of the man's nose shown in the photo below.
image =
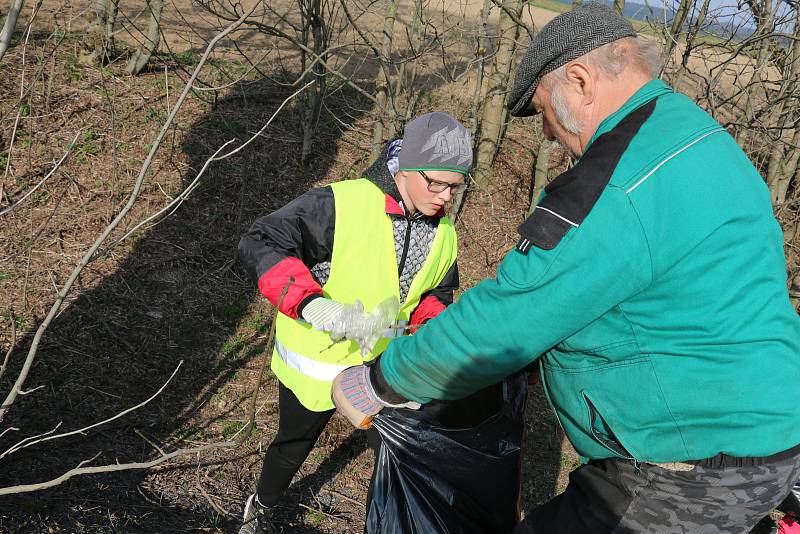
(447, 194)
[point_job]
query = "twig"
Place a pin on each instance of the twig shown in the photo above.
(307, 507)
(213, 504)
(89, 255)
(13, 342)
(27, 442)
(25, 488)
(9, 429)
(251, 418)
(345, 497)
(9, 208)
(151, 442)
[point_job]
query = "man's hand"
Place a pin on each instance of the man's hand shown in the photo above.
(354, 397)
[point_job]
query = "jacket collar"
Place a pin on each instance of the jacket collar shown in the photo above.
(649, 91)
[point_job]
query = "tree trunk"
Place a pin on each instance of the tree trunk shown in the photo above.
(764, 14)
(382, 91)
(314, 94)
(480, 54)
(406, 79)
(142, 56)
(541, 168)
(475, 107)
(782, 163)
(8, 26)
(98, 39)
(676, 29)
(496, 96)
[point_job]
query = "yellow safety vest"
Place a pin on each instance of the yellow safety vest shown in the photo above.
(364, 267)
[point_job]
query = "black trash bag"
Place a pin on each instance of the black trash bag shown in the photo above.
(435, 479)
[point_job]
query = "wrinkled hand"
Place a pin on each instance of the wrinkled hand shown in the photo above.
(355, 398)
(350, 321)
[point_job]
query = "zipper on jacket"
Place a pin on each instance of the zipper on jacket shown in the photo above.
(405, 247)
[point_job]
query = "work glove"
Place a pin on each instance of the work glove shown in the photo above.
(350, 321)
(354, 397)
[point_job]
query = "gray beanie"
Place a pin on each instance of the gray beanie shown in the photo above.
(568, 36)
(436, 142)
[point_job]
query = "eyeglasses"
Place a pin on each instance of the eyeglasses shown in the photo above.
(435, 186)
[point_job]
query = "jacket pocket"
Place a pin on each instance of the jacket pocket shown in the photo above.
(615, 410)
(602, 432)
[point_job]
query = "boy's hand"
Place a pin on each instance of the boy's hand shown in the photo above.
(350, 321)
(322, 313)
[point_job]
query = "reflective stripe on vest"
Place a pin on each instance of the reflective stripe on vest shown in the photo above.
(322, 370)
(312, 368)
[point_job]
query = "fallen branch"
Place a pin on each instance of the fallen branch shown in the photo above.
(8, 27)
(27, 442)
(26, 488)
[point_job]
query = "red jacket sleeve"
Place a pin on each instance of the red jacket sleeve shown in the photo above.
(436, 300)
(284, 245)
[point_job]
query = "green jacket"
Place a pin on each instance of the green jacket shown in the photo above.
(651, 280)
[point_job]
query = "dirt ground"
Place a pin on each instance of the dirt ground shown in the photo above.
(173, 294)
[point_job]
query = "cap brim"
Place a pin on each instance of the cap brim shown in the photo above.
(523, 106)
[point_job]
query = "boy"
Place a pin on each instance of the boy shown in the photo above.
(370, 239)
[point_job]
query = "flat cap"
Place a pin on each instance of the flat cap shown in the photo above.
(568, 36)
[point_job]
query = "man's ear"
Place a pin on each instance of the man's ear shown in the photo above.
(582, 80)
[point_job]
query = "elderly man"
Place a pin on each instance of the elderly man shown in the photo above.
(650, 284)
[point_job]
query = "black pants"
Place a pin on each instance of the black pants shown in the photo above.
(298, 431)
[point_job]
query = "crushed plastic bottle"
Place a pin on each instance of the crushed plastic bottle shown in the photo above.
(364, 328)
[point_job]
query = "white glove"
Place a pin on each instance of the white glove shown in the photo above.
(350, 321)
(322, 313)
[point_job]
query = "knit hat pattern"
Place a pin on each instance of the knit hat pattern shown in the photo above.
(436, 141)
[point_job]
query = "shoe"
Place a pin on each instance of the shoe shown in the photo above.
(787, 525)
(256, 518)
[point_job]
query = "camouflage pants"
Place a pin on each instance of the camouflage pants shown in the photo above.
(615, 497)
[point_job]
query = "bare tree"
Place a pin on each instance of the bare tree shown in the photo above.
(98, 41)
(143, 54)
(785, 154)
(315, 35)
(382, 84)
(494, 109)
(675, 28)
(8, 26)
